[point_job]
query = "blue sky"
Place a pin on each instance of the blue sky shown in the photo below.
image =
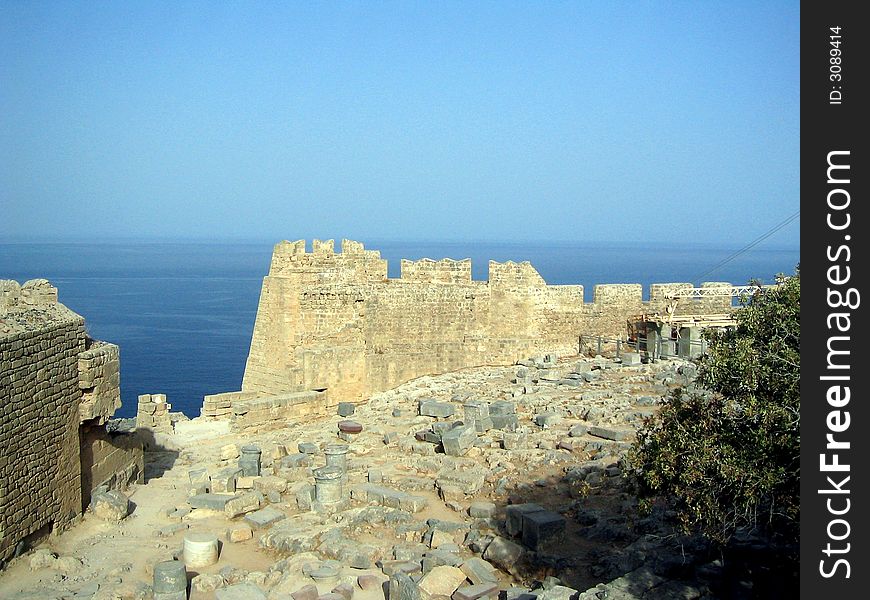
(524, 121)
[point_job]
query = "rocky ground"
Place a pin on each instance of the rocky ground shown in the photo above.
(524, 499)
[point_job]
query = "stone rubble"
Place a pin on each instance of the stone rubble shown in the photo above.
(465, 486)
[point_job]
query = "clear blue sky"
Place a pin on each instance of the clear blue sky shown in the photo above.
(577, 121)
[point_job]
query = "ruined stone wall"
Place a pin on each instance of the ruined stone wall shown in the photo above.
(271, 411)
(55, 384)
(115, 460)
(40, 472)
(334, 320)
(100, 381)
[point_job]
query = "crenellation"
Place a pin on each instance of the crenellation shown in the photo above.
(353, 247)
(427, 270)
(336, 322)
(662, 292)
(38, 292)
(514, 274)
(618, 294)
(10, 294)
(325, 247)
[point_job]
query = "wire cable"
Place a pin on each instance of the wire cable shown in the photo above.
(749, 246)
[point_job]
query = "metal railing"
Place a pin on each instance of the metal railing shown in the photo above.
(718, 291)
(659, 348)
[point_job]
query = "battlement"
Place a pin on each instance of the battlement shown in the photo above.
(665, 291)
(334, 320)
(353, 264)
(514, 274)
(34, 293)
(30, 307)
(445, 270)
(618, 293)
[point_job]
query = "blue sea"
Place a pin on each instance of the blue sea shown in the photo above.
(183, 313)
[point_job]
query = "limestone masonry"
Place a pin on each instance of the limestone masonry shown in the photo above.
(57, 389)
(334, 322)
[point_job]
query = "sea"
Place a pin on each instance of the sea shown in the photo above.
(183, 312)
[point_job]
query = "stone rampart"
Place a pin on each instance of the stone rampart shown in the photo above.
(54, 380)
(40, 473)
(334, 320)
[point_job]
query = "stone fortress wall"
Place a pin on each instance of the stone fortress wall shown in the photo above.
(336, 323)
(57, 389)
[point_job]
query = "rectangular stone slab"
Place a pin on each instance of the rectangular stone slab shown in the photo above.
(239, 591)
(478, 590)
(212, 501)
(264, 517)
(618, 435)
(433, 408)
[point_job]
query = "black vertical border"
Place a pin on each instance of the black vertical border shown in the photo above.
(827, 127)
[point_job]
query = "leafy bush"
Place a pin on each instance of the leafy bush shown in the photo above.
(727, 457)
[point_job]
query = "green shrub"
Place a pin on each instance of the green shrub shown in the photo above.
(727, 457)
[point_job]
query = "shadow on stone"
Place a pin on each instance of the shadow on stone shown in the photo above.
(160, 453)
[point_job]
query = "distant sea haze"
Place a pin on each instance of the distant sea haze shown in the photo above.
(183, 313)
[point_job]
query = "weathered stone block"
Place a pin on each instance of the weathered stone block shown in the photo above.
(308, 448)
(482, 510)
(442, 581)
(270, 483)
(243, 504)
(542, 526)
(504, 422)
(432, 408)
(305, 497)
(608, 433)
(346, 409)
(307, 592)
(547, 420)
(458, 440)
(344, 590)
(630, 359)
(368, 582)
(504, 554)
(402, 587)
(292, 461)
(578, 430)
(240, 591)
(239, 533)
(199, 478)
(265, 517)
(502, 408)
(400, 567)
(110, 506)
(224, 480)
(514, 516)
(478, 570)
(473, 592)
(512, 441)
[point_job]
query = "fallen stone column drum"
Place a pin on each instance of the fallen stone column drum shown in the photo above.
(327, 485)
(336, 455)
(200, 550)
(170, 581)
